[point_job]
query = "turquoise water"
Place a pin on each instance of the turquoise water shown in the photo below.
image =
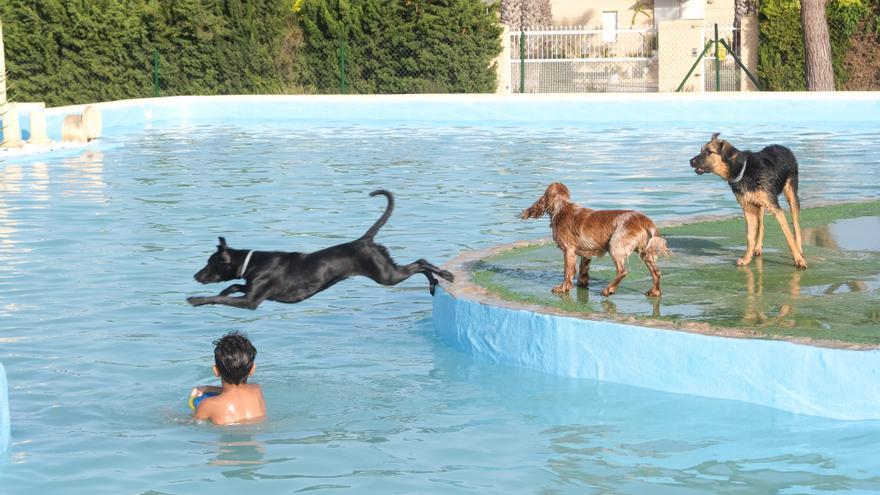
(97, 253)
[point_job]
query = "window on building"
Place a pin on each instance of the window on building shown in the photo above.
(609, 27)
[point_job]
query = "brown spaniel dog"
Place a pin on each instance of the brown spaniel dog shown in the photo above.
(586, 233)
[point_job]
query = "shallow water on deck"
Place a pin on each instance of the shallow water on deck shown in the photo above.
(97, 253)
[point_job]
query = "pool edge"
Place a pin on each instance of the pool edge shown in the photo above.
(838, 382)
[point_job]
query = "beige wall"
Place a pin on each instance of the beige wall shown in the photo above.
(502, 61)
(677, 42)
(719, 11)
(589, 12)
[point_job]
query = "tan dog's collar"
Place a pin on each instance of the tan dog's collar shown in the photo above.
(742, 171)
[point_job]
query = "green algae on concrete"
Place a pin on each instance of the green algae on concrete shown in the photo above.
(836, 300)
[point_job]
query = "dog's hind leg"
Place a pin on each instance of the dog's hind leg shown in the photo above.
(651, 262)
(376, 263)
(568, 272)
(759, 242)
(392, 274)
(583, 278)
(794, 203)
(751, 213)
(428, 269)
(799, 260)
(621, 272)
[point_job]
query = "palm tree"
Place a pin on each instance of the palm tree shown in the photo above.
(524, 14)
(741, 8)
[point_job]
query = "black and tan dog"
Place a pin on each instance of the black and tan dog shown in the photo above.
(757, 179)
(291, 277)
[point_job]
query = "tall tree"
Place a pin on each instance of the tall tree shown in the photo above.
(818, 69)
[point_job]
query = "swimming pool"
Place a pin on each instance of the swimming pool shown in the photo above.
(98, 247)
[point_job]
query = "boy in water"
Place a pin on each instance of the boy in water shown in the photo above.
(235, 400)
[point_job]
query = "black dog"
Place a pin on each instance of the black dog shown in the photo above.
(757, 180)
(292, 277)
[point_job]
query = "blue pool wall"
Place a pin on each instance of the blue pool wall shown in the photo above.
(4, 411)
(818, 381)
(712, 109)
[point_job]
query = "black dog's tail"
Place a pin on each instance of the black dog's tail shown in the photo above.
(384, 218)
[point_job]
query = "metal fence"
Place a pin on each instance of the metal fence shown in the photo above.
(581, 60)
(728, 74)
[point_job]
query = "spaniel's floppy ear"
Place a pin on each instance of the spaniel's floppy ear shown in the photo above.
(537, 210)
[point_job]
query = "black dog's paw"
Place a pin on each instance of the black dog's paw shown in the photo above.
(448, 276)
(196, 301)
(432, 286)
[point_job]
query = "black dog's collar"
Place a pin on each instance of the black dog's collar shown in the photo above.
(247, 259)
(742, 172)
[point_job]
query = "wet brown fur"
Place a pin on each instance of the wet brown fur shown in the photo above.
(771, 172)
(587, 233)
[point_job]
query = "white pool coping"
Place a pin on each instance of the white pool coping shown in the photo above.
(710, 109)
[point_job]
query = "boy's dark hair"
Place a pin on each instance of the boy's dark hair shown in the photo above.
(234, 356)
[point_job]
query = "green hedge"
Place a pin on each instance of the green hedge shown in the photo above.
(398, 46)
(781, 49)
(75, 51)
(78, 51)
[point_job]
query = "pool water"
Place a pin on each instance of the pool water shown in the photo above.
(97, 253)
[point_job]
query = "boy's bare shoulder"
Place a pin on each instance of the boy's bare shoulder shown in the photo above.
(208, 406)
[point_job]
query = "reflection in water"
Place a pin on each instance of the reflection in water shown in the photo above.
(239, 449)
(847, 234)
(608, 306)
(86, 173)
(755, 313)
(583, 296)
(13, 183)
(10, 184)
(10, 179)
(853, 234)
(40, 181)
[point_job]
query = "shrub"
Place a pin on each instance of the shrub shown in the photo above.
(398, 46)
(781, 50)
(66, 51)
